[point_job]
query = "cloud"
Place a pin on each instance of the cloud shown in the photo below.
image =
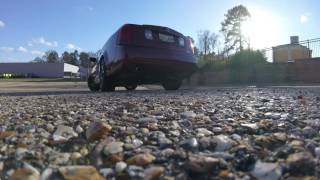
(2, 24)
(6, 49)
(73, 47)
(303, 19)
(38, 53)
(22, 49)
(90, 8)
(43, 41)
(30, 44)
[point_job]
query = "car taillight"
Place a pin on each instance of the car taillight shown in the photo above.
(181, 41)
(148, 34)
(191, 46)
(126, 34)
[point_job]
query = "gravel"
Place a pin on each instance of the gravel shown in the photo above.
(218, 133)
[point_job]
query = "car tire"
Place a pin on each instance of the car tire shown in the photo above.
(172, 84)
(106, 84)
(131, 87)
(92, 85)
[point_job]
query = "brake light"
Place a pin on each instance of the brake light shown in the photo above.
(181, 41)
(126, 34)
(148, 34)
(191, 45)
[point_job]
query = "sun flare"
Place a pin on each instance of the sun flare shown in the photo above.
(262, 29)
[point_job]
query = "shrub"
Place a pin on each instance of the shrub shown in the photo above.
(246, 59)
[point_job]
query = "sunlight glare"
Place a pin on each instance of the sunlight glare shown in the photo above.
(262, 29)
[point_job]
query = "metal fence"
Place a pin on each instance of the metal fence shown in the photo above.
(311, 47)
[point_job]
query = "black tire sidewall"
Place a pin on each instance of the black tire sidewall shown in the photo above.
(131, 87)
(92, 86)
(105, 82)
(172, 84)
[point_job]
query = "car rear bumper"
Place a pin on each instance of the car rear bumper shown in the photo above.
(159, 55)
(156, 66)
(160, 67)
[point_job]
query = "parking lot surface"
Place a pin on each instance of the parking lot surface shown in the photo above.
(64, 131)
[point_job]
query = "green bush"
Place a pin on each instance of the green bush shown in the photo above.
(212, 63)
(246, 59)
(242, 66)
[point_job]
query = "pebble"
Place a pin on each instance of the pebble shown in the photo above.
(317, 152)
(266, 171)
(217, 130)
(147, 120)
(135, 172)
(25, 174)
(20, 152)
(141, 159)
(120, 166)
(63, 133)
(202, 164)
(97, 130)
(74, 156)
(203, 132)
(189, 144)
(309, 132)
(60, 158)
(252, 126)
(105, 172)
(164, 142)
(113, 148)
(79, 129)
(80, 173)
(137, 143)
(188, 115)
(153, 173)
(223, 142)
(301, 163)
(236, 137)
(175, 133)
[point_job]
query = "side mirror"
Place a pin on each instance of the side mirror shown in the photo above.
(93, 59)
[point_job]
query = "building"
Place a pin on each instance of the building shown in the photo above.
(47, 70)
(291, 52)
(70, 70)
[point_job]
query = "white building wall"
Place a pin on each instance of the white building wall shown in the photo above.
(70, 68)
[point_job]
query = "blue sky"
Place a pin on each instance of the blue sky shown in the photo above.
(30, 27)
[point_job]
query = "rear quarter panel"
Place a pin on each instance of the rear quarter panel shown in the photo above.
(112, 52)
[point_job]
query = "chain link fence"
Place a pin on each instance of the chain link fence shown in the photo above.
(307, 49)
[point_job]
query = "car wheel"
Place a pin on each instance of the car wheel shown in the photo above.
(92, 85)
(172, 84)
(105, 82)
(131, 87)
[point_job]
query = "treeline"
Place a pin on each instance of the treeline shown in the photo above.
(74, 58)
(228, 48)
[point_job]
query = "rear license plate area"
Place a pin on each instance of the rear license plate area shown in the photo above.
(166, 38)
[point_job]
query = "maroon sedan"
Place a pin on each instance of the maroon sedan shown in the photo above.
(142, 54)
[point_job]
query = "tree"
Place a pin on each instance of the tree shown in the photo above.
(74, 58)
(213, 39)
(70, 58)
(51, 56)
(231, 28)
(207, 42)
(204, 42)
(84, 59)
(37, 60)
(66, 57)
